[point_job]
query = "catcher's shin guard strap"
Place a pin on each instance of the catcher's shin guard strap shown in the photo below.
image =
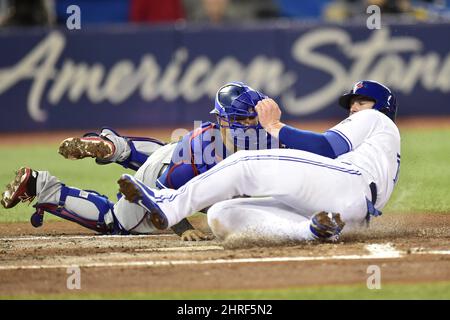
(136, 158)
(65, 214)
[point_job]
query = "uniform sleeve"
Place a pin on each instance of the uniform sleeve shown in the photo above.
(317, 143)
(356, 128)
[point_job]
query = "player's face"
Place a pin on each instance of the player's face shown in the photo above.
(226, 132)
(359, 103)
(245, 121)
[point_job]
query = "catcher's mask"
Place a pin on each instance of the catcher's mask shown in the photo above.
(385, 101)
(236, 101)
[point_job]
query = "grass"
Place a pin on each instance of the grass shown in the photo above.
(424, 184)
(437, 290)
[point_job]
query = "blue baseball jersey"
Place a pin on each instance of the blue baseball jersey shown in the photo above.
(197, 152)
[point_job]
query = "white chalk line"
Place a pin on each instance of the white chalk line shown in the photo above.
(85, 237)
(382, 250)
(424, 251)
(157, 263)
(376, 251)
(190, 248)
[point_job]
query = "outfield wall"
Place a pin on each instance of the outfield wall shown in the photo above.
(128, 76)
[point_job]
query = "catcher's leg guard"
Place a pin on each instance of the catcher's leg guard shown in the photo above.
(81, 210)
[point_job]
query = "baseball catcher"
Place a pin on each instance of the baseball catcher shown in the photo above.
(157, 164)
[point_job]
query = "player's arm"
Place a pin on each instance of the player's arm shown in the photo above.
(328, 144)
(186, 231)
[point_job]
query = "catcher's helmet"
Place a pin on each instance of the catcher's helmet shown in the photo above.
(385, 101)
(237, 101)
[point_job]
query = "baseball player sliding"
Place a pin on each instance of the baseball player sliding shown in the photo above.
(157, 164)
(307, 192)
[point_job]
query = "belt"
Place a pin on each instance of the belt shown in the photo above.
(371, 211)
(373, 191)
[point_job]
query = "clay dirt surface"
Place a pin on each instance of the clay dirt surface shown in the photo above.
(35, 261)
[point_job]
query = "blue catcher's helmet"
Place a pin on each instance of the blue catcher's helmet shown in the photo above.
(385, 101)
(237, 101)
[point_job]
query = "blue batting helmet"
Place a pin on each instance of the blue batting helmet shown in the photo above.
(237, 101)
(385, 101)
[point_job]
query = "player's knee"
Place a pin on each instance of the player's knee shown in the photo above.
(218, 218)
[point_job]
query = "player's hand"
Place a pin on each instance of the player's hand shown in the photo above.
(269, 115)
(195, 235)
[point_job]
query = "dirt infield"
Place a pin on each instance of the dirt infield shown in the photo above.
(408, 249)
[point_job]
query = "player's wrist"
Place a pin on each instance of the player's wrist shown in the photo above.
(274, 128)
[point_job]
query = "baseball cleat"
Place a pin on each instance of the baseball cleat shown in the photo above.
(136, 192)
(21, 189)
(79, 148)
(327, 225)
